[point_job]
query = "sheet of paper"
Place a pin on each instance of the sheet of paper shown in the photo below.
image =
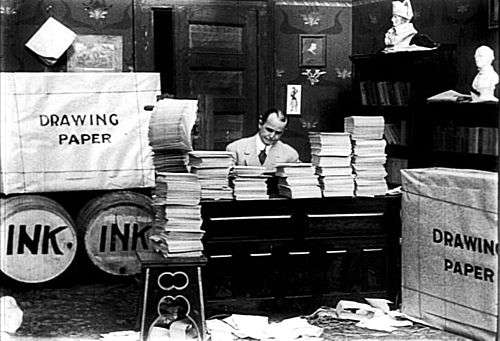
(51, 40)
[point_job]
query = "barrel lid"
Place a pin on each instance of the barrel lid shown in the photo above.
(37, 238)
(117, 225)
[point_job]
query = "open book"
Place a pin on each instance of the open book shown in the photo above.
(450, 96)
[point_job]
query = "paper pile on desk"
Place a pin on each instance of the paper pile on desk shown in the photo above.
(258, 327)
(375, 315)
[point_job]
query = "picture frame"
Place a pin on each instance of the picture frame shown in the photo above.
(293, 99)
(96, 53)
(312, 50)
(493, 13)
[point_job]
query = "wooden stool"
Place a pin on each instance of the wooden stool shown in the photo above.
(172, 302)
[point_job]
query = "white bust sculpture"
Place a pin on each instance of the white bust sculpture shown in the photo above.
(485, 81)
(402, 30)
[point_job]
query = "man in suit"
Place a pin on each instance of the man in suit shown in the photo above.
(265, 148)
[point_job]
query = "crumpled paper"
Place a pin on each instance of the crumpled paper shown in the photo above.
(376, 315)
(11, 316)
(258, 327)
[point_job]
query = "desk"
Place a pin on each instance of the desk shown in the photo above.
(297, 254)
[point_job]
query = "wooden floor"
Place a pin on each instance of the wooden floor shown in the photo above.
(83, 307)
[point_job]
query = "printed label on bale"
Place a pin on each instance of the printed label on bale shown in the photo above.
(468, 243)
(35, 245)
(113, 239)
(76, 131)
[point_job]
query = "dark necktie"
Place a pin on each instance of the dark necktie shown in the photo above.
(262, 156)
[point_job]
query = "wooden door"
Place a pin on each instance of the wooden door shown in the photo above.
(220, 50)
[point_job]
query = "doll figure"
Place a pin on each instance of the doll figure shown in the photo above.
(485, 81)
(402, 30)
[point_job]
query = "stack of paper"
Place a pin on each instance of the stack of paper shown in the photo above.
(170, 133)
(297, 180)
(364, 127)
(331, 155)
(368, 154)
(177, 225)
(213, 168)
(249, 182)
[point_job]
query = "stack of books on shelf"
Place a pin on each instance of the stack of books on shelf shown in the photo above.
(170, 133)
(331, 156)
(297, 180)
(213, 169)
(368, 154)
(384, 92)
(177, 225)
(249, 182)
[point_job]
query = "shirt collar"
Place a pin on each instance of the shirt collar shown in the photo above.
(259, 144)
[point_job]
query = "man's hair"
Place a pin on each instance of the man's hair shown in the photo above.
(281, 115)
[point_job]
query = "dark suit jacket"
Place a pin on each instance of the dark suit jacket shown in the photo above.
(247, 155)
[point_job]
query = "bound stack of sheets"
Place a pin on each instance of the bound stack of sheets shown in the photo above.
(170, 133)
(368, 154)
(331, 155)
(177, 225)
(249, 182)
(297, 180)
(213, 168)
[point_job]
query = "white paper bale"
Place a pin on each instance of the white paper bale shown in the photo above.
(450, 249)
(75, 131)
(11, 316)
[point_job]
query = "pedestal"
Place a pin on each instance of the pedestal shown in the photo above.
(172, 303)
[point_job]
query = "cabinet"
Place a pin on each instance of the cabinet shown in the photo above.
(396, 85)
(289, 255)
(459, 135)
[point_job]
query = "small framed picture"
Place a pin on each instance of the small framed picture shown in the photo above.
(312, 50)
(293, 99)
(493, 13)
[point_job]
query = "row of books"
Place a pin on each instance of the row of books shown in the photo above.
(474, 140)
(384, 92)
(396, 133)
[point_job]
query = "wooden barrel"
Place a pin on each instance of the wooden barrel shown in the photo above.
(37, 238)
(117, 225)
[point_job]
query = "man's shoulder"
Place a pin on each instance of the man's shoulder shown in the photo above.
(240, 143)
(286, 148)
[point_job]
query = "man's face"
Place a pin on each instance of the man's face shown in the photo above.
(271, 130)
(398, 20)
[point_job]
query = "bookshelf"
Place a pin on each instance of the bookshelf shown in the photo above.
(396, 86)
(459, 135)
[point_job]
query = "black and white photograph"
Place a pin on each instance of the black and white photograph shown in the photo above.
(229, 170)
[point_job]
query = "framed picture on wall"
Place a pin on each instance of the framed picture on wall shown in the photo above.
(95, 53)
(312, 51)
(493, 13)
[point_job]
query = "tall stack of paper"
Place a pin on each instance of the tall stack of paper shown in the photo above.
(297, 180)
(331, 155)
(177, 225)
(368, 154)
(249, 182)
(213, 168)
(170, 133)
